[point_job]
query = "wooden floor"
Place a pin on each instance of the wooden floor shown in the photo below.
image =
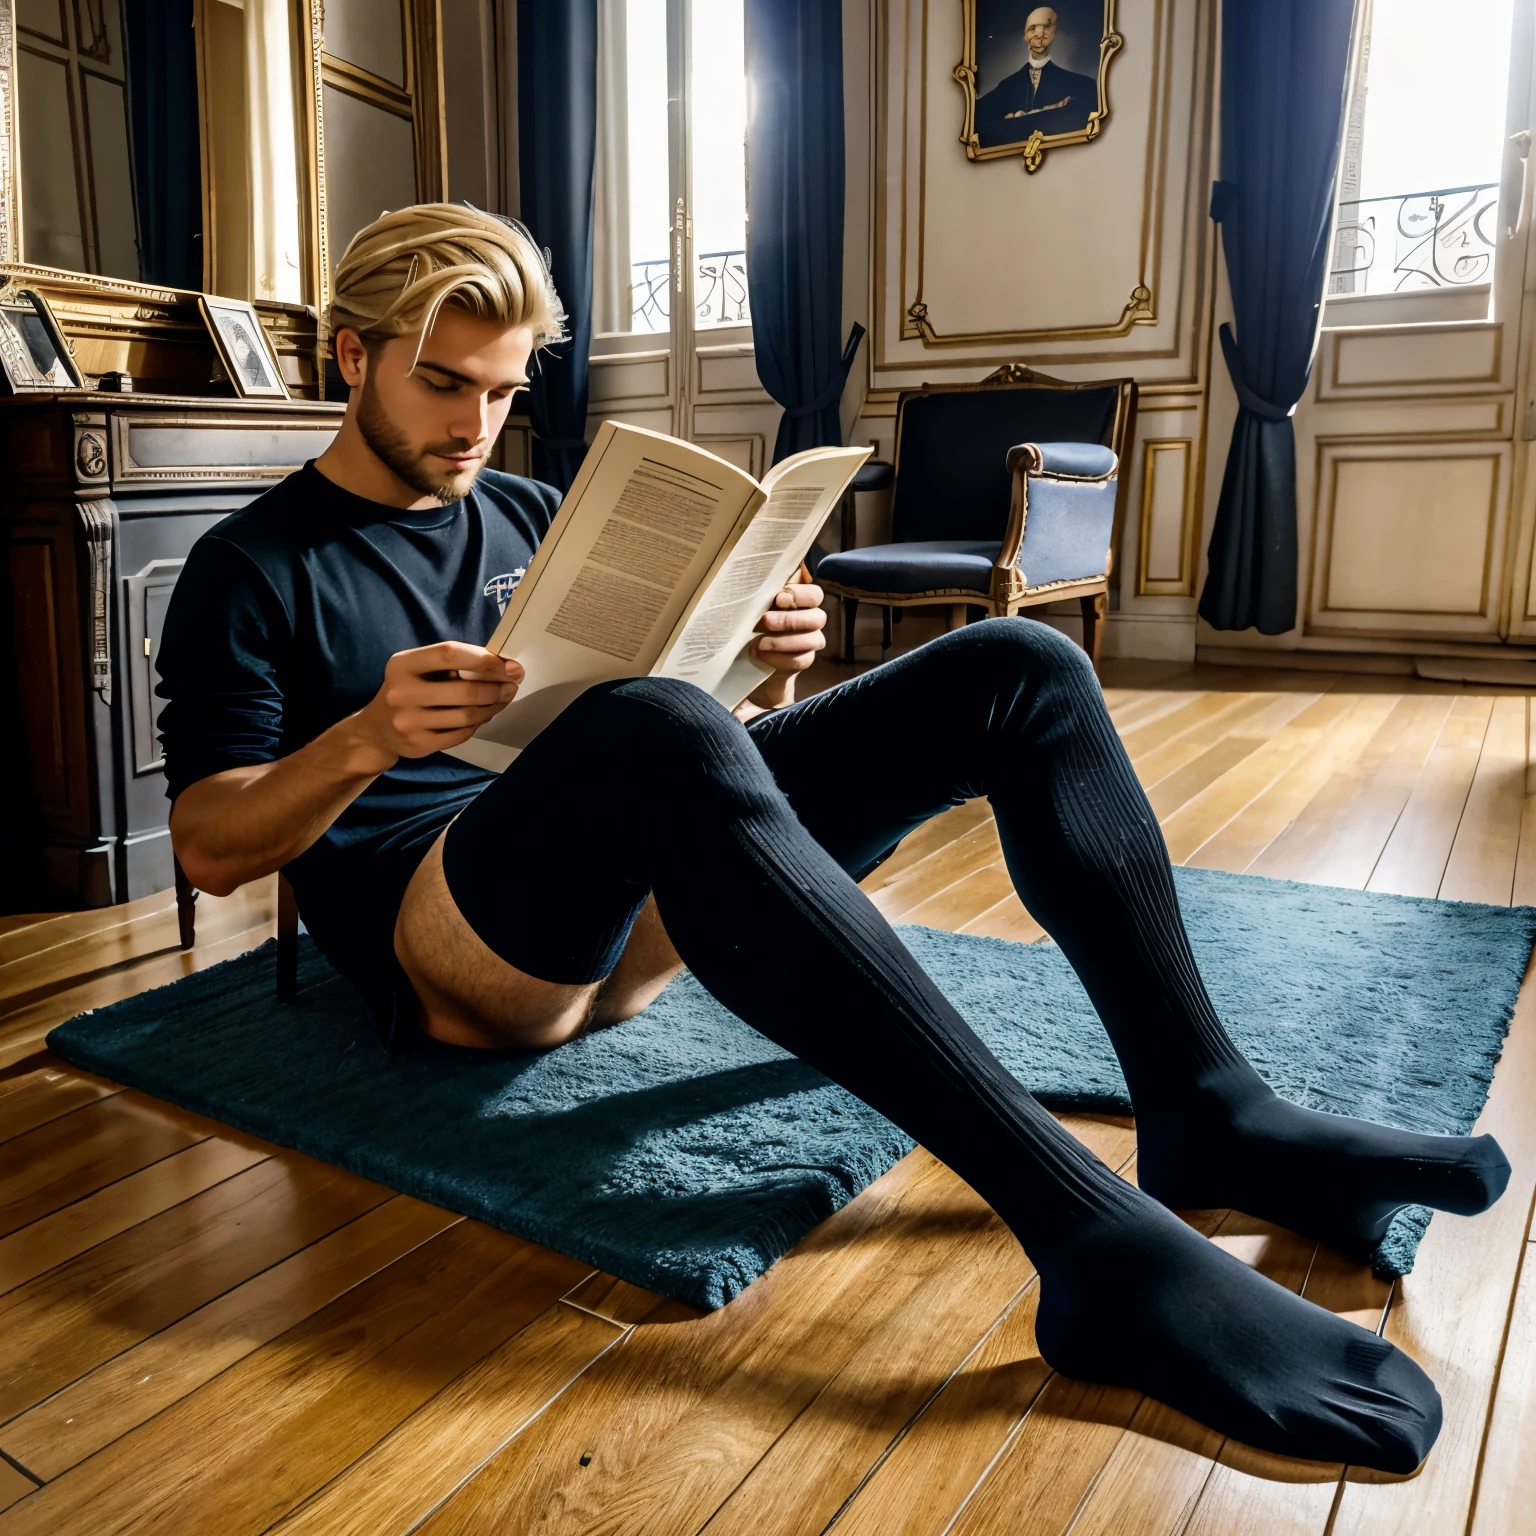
(200, 1333)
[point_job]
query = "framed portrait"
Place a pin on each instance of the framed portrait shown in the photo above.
(1035, 77)
(243, 349)
(33, 352)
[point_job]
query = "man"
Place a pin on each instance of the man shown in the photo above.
(323, 646)
(1042, 95)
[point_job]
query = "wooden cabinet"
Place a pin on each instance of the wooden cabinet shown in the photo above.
(101, 499)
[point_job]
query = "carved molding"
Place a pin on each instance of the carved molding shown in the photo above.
(96, 522)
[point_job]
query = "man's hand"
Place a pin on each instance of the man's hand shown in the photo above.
(791, 636)
(435, 697)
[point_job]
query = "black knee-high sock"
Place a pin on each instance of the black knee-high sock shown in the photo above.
(650, 786)
(1090, 863)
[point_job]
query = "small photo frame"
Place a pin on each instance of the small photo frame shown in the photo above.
(33, 352)
(243, 348)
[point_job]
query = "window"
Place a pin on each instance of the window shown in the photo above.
(671, 216)
(1424, 148)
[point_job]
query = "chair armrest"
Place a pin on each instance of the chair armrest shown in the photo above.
(1068, 461)
(874, 475)
(1071, 470)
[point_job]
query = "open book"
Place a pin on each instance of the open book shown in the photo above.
(660, 562)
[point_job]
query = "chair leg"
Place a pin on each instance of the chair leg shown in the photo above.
(1095, 616)
(850, 615)
(287, 941)
(885, 639)
(957, 616)
(186, 906)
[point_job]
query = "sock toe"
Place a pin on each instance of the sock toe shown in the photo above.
(1391, 1404)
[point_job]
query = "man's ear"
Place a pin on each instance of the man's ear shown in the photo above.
(351, 356)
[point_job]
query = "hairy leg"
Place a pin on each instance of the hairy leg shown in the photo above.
(649, 786)
(471, 996)
(1012, 710)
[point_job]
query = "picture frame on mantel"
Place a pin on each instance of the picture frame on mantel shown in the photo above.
(243, 348)
(33, 352)
(1035, 77)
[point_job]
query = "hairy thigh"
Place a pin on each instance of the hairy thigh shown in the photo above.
(470, 996)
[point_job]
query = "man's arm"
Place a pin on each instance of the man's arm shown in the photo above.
(243, 823)
(792, 635)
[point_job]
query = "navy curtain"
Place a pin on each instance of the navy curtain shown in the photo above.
(1284, 70)
(556, 142)
(795, 215)
(163, 119)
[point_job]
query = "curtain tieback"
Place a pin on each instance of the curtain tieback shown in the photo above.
(834, 390)
(1246, 398)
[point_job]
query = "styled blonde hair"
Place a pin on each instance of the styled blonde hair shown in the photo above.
(400, 270)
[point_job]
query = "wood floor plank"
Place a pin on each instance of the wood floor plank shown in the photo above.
(1224, 715)
(1007, 920)
(1223, 759)
(928, 839)
(132, 1387)
(1241, 844)
(972, 851)
(1339, 835)
(1192, 823)
(32, 936)
(254, 1443)
(675, 1417)
(63, 1234)
(1413, 862)
(1451, 1312)
(965, 900)
(155, 932)
(420, 1464)
(1524, 893)
(23, 1030)
(1506, 1491)
(1482, 862)
(33, 1098)
(78, 1153)
(667, 1415)
(69, 1321)
(13, 1485)
(810, 1469)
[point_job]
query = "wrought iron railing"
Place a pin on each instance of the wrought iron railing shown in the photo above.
(719, 291)
(1439, 239)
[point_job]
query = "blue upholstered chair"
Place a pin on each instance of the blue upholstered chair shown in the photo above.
(1006, 495)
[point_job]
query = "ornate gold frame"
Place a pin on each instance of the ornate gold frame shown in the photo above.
(1034, 147)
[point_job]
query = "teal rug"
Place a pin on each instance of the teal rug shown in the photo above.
(685, 1153)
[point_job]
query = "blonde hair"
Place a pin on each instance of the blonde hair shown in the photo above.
(400, 270)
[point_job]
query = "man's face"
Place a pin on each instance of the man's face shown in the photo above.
(434, 424)
(1040, 30)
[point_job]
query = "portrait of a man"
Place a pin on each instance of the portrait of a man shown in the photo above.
(1033, 74)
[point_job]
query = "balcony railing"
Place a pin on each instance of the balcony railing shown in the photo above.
(1440, 239)
(719, 291)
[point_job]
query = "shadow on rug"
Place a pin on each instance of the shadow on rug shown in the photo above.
(685, 1153)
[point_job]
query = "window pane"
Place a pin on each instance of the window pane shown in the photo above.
(719, 90)
(1418, 202)
(649, 194)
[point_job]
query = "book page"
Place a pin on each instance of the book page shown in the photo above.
(709, 647)
(644, 524)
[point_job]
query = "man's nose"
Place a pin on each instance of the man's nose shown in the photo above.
(472, 422)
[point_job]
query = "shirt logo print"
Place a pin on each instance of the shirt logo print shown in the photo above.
(502, 587)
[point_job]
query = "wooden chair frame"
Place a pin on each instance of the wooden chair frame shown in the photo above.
(1008, 594)
(287, 928)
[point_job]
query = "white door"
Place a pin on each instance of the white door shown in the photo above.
(672, 328)
(1411, 459)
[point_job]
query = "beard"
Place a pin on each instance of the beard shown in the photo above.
(390, 445)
